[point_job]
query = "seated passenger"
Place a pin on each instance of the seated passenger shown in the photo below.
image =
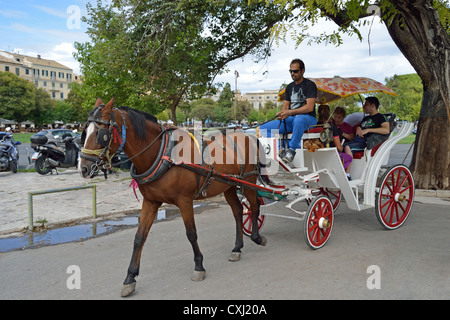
(374, 122)
(346, 130)
(298, 110)
(324, 117)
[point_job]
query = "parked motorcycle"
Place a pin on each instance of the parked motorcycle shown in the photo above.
(50, 157)
(9, 155)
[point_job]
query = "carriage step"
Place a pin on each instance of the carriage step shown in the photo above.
(270, 195)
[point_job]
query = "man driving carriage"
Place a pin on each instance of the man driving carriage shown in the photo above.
(298, 110)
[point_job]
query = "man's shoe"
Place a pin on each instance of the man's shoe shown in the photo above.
(282, 153)
(289, 156)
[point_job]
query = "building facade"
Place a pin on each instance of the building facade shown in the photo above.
(259, 99)
(49, 75)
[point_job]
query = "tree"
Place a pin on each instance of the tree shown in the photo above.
(226, 98)
(44, 108)
(407, 105)
(17, 97)
(170, 50)
(79, 114)
(203, 109)
(420, 29)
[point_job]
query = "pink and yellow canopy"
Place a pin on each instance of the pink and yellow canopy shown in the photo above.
(331, 89)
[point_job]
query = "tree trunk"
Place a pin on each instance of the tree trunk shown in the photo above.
(175, 102)
(420, 36)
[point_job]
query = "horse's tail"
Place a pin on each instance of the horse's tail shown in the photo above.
(262, 164)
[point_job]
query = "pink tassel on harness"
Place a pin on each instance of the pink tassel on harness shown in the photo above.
(134, 184)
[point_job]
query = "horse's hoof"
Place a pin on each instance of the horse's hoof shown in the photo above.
(235, 256)
(128, 289)
(198, 276)
(263, 241)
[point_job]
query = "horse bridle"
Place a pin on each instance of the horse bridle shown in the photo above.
(104, 139)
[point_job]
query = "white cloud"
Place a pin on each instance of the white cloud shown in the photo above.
(351, 59)
(12, 13)
(52, 11)
(62, 53)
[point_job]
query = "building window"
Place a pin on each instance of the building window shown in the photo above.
(18, 71)
(27, 71)
(53, 95)
(61, 95)
(53, 85)
(44, 83)
(6, 68)
(61, 85)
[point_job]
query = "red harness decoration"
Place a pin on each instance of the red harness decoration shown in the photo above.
(116, 136)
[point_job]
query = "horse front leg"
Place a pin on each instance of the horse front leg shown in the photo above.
(252, 198)
(148, 214)
(236, 207)
(186, 207)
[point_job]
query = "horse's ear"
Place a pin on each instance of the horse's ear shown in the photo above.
(110, 104)
(98, 102)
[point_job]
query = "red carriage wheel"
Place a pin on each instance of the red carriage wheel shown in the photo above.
(395, 197)
(248, 217)
(318, 222)
(335, 195)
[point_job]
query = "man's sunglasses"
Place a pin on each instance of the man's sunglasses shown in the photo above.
(294, 71)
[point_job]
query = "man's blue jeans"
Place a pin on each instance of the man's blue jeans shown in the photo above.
(295, 124)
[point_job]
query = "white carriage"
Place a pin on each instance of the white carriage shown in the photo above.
(323, 182)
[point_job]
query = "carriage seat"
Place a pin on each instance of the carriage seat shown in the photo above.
(311, 133)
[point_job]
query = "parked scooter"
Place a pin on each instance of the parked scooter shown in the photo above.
(9, 155)
(49, 157)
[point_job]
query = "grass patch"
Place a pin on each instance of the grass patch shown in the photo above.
(23, 137)
(408, 140)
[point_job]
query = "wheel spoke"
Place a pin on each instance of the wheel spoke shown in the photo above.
(248, 217)
(407, 188)
(388, 210)
(389, 201)
(389, 187)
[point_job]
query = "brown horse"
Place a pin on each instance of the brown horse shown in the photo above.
(163, 179)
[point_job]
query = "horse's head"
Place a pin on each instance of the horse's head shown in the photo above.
(101, 138)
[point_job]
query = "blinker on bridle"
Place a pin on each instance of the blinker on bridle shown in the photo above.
(104, 139)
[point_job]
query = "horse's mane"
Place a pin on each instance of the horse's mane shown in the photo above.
(138, 118)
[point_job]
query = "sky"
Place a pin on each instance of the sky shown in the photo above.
(50, 28)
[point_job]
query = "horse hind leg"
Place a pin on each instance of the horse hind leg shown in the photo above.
(252, 198)
(148, 214)
(236, 207)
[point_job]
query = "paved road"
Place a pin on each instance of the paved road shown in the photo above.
(408, 263)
